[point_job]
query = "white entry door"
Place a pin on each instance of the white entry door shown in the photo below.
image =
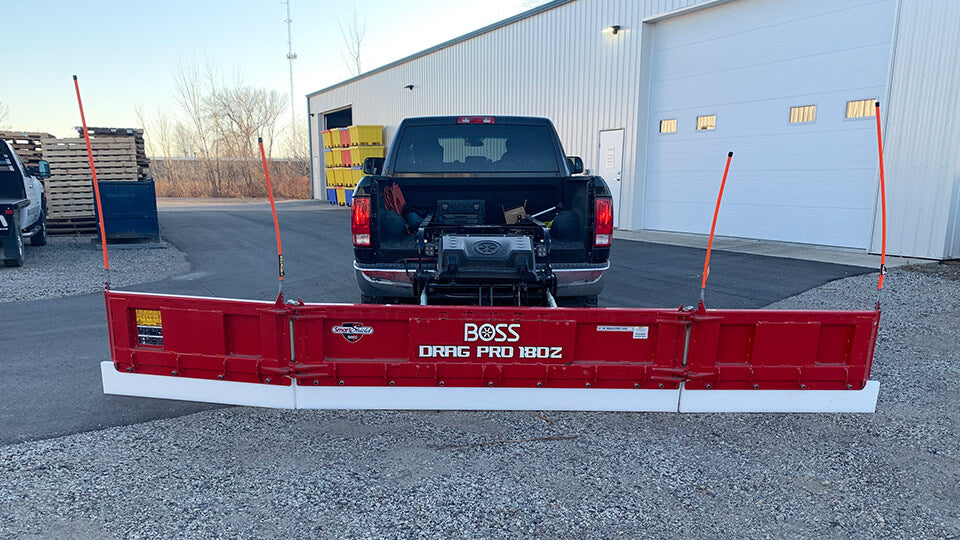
(611, 166)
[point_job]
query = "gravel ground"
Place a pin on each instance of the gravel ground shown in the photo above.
(254, 473)
(68, 266)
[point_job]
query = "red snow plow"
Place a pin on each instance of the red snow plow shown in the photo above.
(288, 354)
(296, 355)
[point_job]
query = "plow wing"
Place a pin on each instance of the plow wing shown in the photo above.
(342, 356)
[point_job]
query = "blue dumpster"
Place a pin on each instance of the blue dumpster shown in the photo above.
(129, 211)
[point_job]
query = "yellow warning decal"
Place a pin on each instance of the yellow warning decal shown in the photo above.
(148, 317)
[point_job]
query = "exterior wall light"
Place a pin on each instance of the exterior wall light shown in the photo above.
(612, 29)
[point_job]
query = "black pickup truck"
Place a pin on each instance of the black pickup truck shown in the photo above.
(480, 210)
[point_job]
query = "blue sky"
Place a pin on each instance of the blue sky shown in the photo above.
(125, 52)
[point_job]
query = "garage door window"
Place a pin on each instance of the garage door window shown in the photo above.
(804, 114)
(668, 126)
(707, 123)
(861, 108)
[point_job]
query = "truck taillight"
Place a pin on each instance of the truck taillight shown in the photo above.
(603, 230)
(476, 120)
(360, 224)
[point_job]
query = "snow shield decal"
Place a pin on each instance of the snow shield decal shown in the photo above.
(352, 332)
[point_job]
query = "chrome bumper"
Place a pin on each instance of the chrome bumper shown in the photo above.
(394, 280)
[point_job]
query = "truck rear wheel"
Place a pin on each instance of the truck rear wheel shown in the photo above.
(39, 238)
(18, 250)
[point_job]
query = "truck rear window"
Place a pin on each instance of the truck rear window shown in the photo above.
(469, 148)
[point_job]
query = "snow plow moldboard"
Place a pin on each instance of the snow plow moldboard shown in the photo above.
(344, 356)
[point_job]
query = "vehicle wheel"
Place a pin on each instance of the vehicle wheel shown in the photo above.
(40, 238)
(579, 301)
(18, 258)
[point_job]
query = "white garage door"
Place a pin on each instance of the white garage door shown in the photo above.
(742, 68)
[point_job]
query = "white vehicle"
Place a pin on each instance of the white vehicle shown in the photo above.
(23, 206)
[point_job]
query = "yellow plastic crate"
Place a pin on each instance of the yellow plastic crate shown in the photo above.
(328, 139)
(357, 174)
(331, 176)
(338, 176)
(360, 153)
(328, 158)
(364, 135)
(335, 160)
(350, 179)
(341, 197)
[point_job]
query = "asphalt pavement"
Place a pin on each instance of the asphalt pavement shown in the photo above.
(52, 348)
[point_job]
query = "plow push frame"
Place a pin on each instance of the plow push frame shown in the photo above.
(291, 354)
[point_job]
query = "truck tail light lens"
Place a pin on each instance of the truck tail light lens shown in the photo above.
(476, 120)
(360, 223)
(603, 230)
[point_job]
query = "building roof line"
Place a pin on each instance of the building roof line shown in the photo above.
(465, 37)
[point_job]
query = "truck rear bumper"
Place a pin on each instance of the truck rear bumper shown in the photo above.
(574, 279)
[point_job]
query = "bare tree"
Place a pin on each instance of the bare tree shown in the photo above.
(158, 133)
(164, 129)
(215, 130)
(353, 31)
(294, 144)
(249, 113)
(191, 96)
(184, 140)
(4, 115)
(143, 123)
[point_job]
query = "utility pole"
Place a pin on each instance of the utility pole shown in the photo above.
(291, 56)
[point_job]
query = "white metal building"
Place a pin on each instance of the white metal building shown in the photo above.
(654, 93)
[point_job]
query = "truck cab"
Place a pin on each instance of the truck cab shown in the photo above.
(481, 210)
(22, 205)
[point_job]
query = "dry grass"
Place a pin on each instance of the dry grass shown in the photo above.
(230, 178)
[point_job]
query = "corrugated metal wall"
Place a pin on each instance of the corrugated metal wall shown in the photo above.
(922, 141)
(556, 64)
(559, 65)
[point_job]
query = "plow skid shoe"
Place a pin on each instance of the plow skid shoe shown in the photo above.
(488, 399)
(184, 389)
(341, 356)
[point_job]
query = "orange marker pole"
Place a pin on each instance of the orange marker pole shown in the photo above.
(273, 208)
(883, 209)
(713, 228)
(96, 186)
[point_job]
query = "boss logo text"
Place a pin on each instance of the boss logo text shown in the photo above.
(500, 333)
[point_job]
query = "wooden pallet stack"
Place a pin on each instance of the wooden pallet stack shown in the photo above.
(28, 145)
(143, 163)
(69, 190)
